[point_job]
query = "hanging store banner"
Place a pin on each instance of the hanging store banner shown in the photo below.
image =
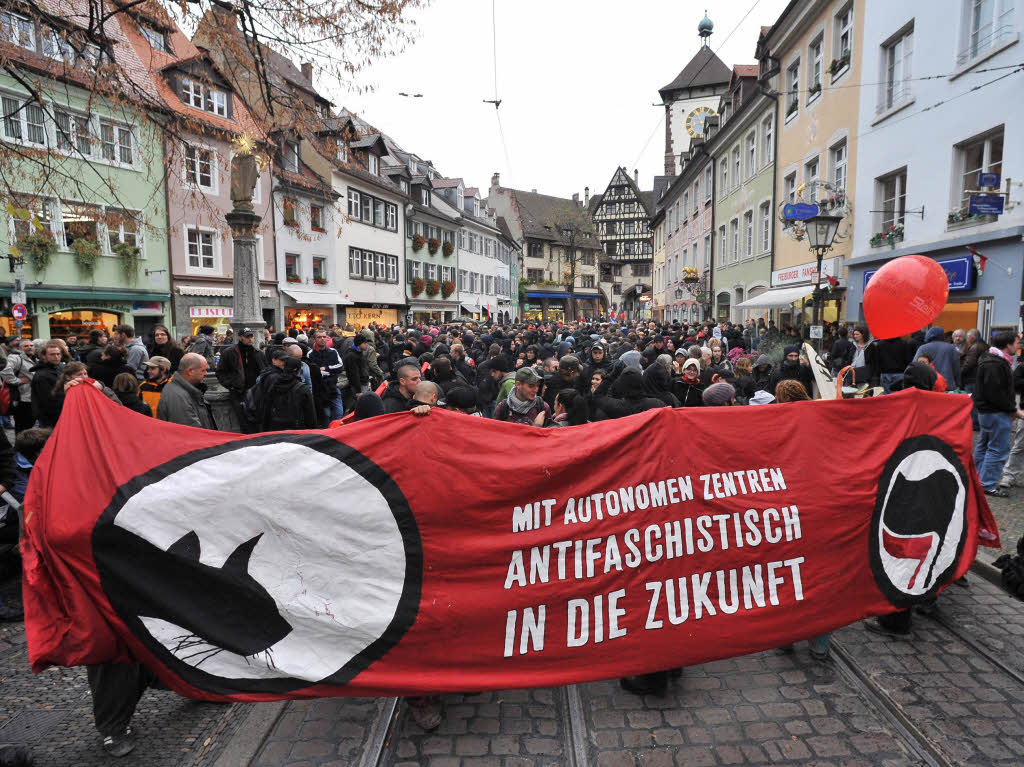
(338, 562)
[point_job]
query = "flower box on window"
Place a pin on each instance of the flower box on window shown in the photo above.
(433, 287)
(793, 106)
(418, 241)
(448, 248)
(293, 278)
(889, 237)
(433, 244)
(838, 65)
(87, 253)
(417, 286)
(319, 280)
(956, 219)
(447, 288)
(38, 247)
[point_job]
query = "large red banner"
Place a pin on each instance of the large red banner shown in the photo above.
(405, 555)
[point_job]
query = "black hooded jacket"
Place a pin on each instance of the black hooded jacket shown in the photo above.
(658, 383)
(627, 396)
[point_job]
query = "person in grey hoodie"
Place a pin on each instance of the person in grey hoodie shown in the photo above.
(17, 374)
(946, 357)
(137, 356)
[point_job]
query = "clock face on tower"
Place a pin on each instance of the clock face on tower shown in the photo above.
(696, 121)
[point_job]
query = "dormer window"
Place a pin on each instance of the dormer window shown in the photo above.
(373, 164)
(461, 198)
(412, 166)
(157, 40)
(476, 207)
(424, 196)
(403, 185)
(290, 156)
(18, 30)
(342, 152)
(201, 96)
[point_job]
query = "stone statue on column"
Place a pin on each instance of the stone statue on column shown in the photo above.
(247, 310)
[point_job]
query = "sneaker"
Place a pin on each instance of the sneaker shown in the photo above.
(962, 582)
(996, 492)
(11, 614)
(426, 712)
(820, 657)
(120, 745)
(876, 627)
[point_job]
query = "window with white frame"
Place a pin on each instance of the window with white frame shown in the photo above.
(736, 174)
(696, 195)
(842, 39)
(896, 59)
(837, 155)
(381, 272)
(988, 23)
(354, 209)
(462, 280)
(293, 267)
(707, 183)
(748, 234)
(764, 214)
(316, 217)
(378, 213)
(369, 261)
(707, 251)
(73, 133)
(751, 154)
(200, 168)
(792, 88)
(431, 271)
(722, 249)
(424, 196)
(116, 143)
(789, 187)
(768, 139)
(734, 239)
(123, 227)
(39, 209)
(355, 263)
(201, 96)
(156, 39)
(319, 270)
(80, 221)
(290, 156)
(201, 247)
(417, 270)
(24, 121)
(815, 60)
(392, 217)
(724, 177)
(811, 168)
(18, 30)
(373, 164)
(983, 154)
(892, 192)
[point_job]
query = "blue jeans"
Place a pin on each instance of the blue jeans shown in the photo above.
(969, 388)
(333, 407)
(888, 379)
(992, 447)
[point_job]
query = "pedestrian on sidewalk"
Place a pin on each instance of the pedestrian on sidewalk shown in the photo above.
(996, 401)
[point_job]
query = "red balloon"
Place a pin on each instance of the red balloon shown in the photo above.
(904, 296)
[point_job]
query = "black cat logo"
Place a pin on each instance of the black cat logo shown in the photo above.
(918, 529)
(241, 581)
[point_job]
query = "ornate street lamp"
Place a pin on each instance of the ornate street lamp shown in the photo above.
(821, 233)
(679, 294)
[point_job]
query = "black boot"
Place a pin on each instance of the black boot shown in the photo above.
(645, 684)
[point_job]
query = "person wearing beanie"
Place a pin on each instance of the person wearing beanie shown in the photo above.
(633, 359)
(688, 388)
(719, 394)
(791, 369)
(762, 373)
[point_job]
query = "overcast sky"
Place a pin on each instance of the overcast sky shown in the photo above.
(577, 79)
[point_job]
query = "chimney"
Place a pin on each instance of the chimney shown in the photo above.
(495, 180)
(586, 195)
(636, 176)
(307, 71)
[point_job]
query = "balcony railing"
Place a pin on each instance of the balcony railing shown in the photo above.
(982, 44)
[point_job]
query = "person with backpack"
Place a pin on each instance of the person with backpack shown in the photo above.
(282, 400)
(522, 405)
(17, 374)
(204, 344)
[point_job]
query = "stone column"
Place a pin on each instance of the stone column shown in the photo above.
(246, 307)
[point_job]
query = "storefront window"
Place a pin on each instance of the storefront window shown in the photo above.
(80, 321)
(8, 327)
(304, 318)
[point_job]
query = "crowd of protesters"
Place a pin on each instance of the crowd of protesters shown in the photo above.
(540, 375)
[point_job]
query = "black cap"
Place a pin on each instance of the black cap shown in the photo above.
(246, 332)
(462, 397)
(501, 363)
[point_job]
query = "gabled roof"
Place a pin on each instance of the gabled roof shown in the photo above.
(472, 191)
(422, 180)
(704, 69)
(447, 183)
(392, 171)
(661, 183)
(535, 210)
(646, 198)
(374, 141)
(505, 231)
(743, 70)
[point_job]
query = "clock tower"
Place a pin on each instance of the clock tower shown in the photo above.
(691, 98)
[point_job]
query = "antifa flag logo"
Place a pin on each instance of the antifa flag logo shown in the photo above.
(918, 529)
(268, 564)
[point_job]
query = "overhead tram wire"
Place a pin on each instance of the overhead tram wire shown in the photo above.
(497, 101)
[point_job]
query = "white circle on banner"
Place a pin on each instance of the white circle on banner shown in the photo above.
(329, 552)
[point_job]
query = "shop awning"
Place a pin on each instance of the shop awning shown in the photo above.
(85, 294)
(311, 298)
(470, 308)
(771, 299)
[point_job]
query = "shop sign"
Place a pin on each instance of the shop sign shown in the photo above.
(799, 211)
(211, 311)
(796, 275)
(150, 308)
(990, 180)
(71, 306)
(361, 317)
(959, 271)
(985, 205)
